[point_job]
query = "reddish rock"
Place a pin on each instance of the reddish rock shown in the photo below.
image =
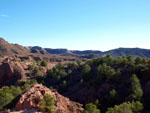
(11, 71)
(30, 100)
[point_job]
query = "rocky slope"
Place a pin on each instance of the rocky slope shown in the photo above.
(16, 68)
(11, 49)
(11, 71)
(29, 99)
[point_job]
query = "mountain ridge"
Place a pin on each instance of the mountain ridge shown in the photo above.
(13, 49)
(114, 52)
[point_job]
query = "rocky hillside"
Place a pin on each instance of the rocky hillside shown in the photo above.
(31, 99)
(11, 49)
(19, 68)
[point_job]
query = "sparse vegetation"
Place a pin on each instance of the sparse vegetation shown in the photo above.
(47, 103)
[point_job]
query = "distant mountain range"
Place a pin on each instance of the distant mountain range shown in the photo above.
(11, 49)
(114, 52)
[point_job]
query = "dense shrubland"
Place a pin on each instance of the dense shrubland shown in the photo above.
(115, 82)
(105, 84)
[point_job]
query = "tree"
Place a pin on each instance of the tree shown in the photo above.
(86, 69)
(136, 107)
(44, 63)
(138, 60)
(108, 60)
(47, 103)
(63, 85)
(123, 108)
(104, 71)
(113, 93)
(137, 91)
(117, 61)
(5, 98)
(60, 66)
(124, 60)
(15, 91)
(79, 62)
(130, 60)
(69, 71)
(91, 108)
(112, 96)
(36, 72)
(72, 65)
(126, 107)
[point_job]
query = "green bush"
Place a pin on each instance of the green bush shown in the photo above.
(69, 71)
(86, 69)
(138, 60)
(91, 108)
(72, 65)
(113, 93)
(137, 91)
(36, 72)
(47, 103)
(57, 73)
(44, 63)
(31, 67)
(7, 94)
(105, 72)
(127, 107)
(63, 85)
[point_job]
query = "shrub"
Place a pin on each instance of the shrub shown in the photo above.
(36, 72)
(112, 97)
(47, 103)
(31, 67)
(86, 70)
(138, 60)
(63, 85)
(127, 107)
(91, 108)
(44, 63)
(137, 91)
(72, 65)
(113, 93)
(56, 73)
(69, 71)
(7, 94)
(104, 71)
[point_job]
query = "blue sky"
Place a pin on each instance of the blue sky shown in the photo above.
(76, 24)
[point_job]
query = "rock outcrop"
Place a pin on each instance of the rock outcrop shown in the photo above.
(29, 100)
(10, 71)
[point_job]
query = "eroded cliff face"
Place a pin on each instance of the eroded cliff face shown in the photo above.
(30, 99)
(11, 71)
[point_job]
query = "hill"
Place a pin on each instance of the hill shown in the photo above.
(114, 53)
(12, 49)
(16, 49)
(128, 51)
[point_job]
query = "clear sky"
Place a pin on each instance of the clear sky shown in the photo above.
(76, 24)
